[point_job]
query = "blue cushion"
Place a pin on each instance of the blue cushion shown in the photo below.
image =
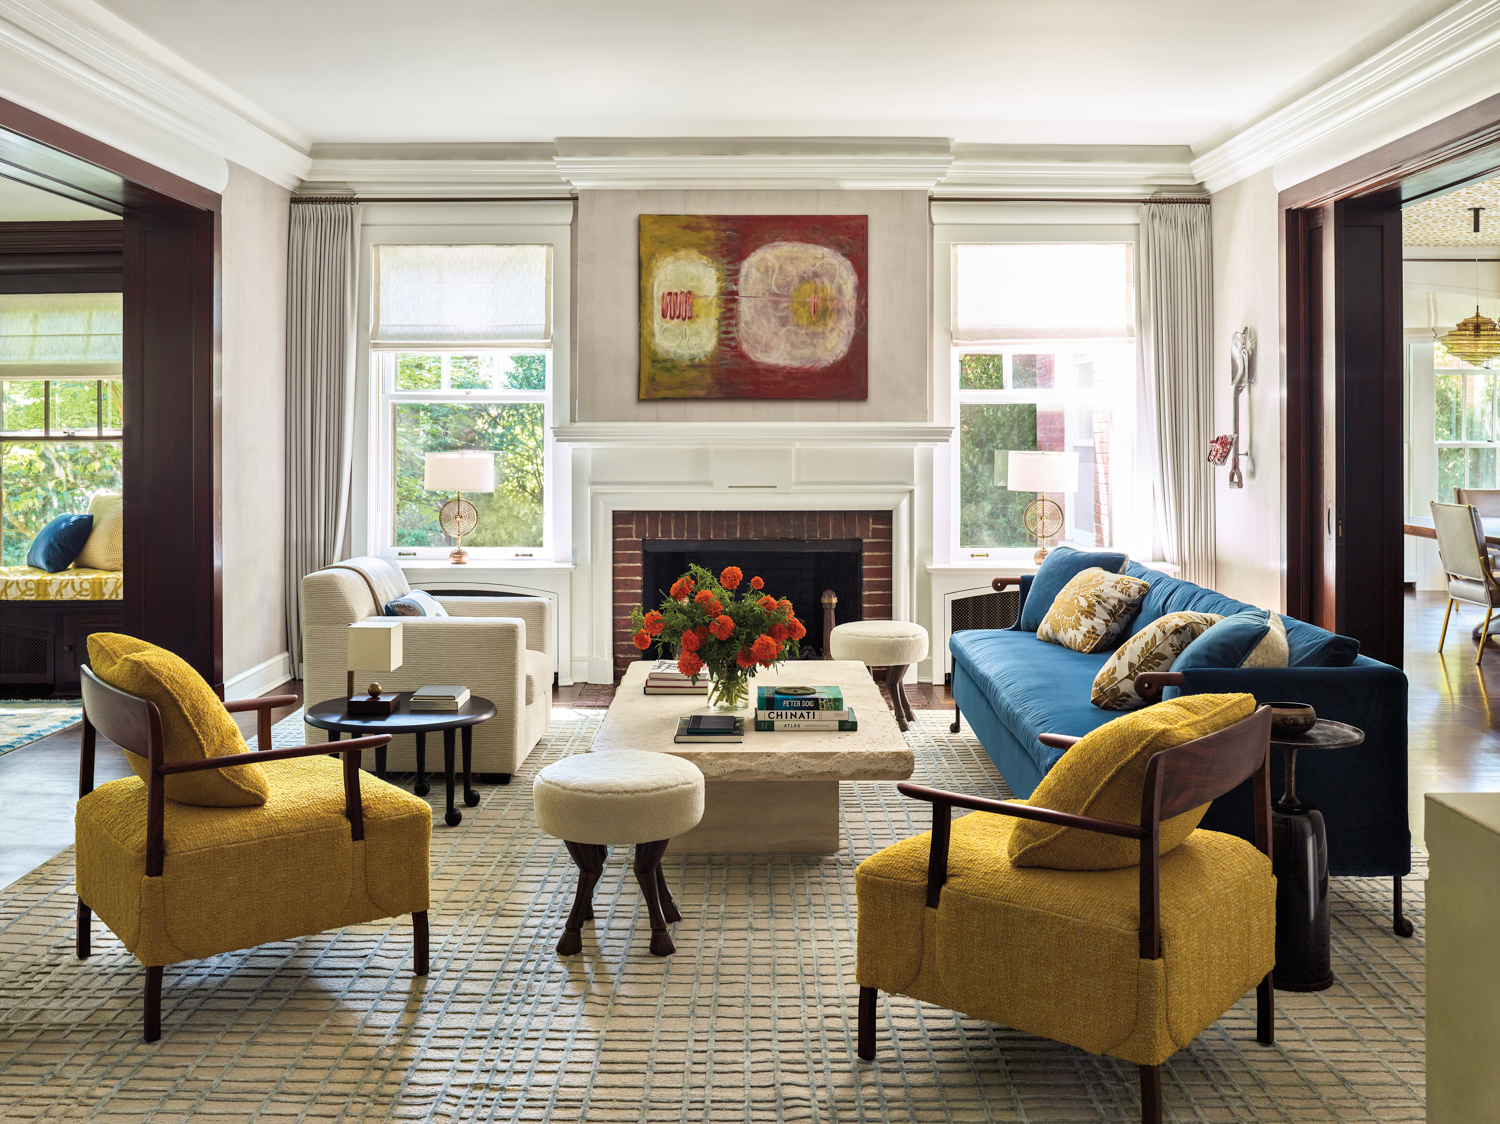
(1228, 643)
(60, 542)
(1059, 568)
(1310, 646)
(417, 603)
(1174, 595)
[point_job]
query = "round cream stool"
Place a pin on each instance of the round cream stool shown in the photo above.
(593, 801)
(893, 645)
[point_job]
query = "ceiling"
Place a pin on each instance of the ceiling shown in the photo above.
(22, 203)
(1445, 220)
(978, 71)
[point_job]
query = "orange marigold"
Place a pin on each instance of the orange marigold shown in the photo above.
(680, 589)
(765, 649)
(731, 577)
(779, 632)
(768, 603)
(689, 664)
(701, 632)
(756, 583)
(690, 641)
(786, 607)
(713, 608)
(641, 640)
(655, 622)
(703, 596)
(744, 658)
(798, 632)
(722, 626)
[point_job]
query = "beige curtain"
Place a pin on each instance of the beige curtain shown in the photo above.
(1176, 277)
(323, 279)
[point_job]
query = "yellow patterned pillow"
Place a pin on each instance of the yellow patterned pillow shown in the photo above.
(1093, 610)
(105, 549)
(1153, 648)
(194, 723)
(1103, 776)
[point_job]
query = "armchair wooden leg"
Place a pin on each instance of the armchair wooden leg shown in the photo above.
(954, 725)
(419, 943)
(1443, 636)
(647, 859)
(153, 1004)
(85, 930)
(1150, 1094)
(866, 1045)
(1265, 1011)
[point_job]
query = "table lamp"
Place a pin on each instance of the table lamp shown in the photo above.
(460, 472)
(374, 645)
(1040, 473)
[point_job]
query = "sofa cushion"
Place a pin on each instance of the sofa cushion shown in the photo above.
(1309, 646)
(105, 549)
(1174, 595)
(1153, 648)
(1059, 568)
(417, 603)
(1093, 611)
(1255, 638)
(1103, 776)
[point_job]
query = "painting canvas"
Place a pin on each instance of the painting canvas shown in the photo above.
(754, 306)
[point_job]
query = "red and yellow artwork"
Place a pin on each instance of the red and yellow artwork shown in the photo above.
(754, 306)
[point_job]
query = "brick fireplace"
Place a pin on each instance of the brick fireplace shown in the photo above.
(633, 528)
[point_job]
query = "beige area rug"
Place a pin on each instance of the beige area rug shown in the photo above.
(752, 1020)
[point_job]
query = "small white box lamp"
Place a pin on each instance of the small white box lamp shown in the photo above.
(374, 645)
(460, 472)
(1041, 472)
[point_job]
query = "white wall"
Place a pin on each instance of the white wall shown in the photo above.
(608, 295)
(1246, 270)
(253, 458)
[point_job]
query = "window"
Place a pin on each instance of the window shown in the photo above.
(462, 356)
(1043, 355)
(1467, 424)
(61, 409)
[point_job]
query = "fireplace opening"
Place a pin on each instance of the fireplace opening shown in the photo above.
(798, 570)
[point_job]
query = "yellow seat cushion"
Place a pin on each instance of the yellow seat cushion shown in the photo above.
(1093, 610)
(194, 723)
(1103, 775)
(238, 877)
(1056, 953)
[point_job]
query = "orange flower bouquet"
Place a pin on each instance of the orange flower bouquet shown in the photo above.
(720, 632)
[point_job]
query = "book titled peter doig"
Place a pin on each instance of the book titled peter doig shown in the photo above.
(808, 724)
(799, 698)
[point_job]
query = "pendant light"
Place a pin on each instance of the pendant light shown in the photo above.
(1476, 340)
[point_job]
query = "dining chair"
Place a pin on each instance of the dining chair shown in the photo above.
(1466, 561)
(1486, 501)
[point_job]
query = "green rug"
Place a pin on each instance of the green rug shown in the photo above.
(751, 1020)
(23, 722)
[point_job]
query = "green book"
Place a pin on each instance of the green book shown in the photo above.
(799, 698)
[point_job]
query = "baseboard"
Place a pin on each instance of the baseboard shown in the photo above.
(259, 679)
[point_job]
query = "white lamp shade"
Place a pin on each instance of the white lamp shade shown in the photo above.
(375, 645)
(1042, 472)
(467, 471)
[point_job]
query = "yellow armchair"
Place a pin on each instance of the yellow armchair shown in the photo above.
(1130, 962)
(328, 848)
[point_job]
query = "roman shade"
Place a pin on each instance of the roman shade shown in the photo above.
(1011, 291)
(60, 335)
(466, 296)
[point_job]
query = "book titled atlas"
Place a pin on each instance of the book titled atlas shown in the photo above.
(806, 724)
(799, 698)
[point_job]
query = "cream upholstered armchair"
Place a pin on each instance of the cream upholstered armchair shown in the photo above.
(498, 647)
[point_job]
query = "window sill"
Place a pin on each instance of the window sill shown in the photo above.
(444, 566)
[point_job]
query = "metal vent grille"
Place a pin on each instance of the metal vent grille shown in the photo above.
(988, 610)
(24, 657)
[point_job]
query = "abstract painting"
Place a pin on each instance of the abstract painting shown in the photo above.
(754, 306)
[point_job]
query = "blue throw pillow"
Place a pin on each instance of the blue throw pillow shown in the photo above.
(60, 542)
(1308, 646)
(1255, 638)
(1059, 568)
(417, 603)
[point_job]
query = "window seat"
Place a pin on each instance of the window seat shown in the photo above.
(26, 583)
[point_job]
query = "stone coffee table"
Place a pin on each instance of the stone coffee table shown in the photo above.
(773, 792)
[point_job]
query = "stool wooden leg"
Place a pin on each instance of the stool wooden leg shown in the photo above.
(668, 906)
(419, 942)
(893, 676)
(647, 859)
(85, 930)
(589, 858)
(905, 702)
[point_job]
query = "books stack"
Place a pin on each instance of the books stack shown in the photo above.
(439, 698)
(802, 708)
(710, 729)
(663, 678)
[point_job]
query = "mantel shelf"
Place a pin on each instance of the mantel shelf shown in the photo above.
(752, 434)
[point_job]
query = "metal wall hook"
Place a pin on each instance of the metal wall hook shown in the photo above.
(1241, 375)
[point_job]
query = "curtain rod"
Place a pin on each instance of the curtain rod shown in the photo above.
(1202, 200)
(315, 199)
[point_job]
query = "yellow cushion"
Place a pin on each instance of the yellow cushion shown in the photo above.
(1153, 648)
(1056, 953)
(1103, 776)
(194, 723)
(1093, 610)
(105, 549)
(237, 877)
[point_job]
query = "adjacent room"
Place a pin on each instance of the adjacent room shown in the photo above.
(902, 562)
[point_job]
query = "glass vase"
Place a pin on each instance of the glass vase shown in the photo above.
(728, 692)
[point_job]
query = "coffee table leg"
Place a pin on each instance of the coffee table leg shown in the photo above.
(647, 859)
(470, 796)
(668, 906)
(453, 815)
(420, 788)
(589, 858)
(380, 762)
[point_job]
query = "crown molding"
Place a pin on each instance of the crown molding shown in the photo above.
(84, 57)
(436, 179)
(1021, 173)
(1386, 84)
(752, 434)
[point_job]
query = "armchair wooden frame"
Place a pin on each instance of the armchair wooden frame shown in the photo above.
(1177, 780)
(134, 724)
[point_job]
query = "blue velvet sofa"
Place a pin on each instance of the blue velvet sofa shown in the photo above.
(1011, 687)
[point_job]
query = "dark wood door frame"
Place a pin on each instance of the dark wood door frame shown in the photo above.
(171, 284)
(1342, 356)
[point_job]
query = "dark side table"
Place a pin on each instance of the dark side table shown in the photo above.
(330, 716)
(1299, 859)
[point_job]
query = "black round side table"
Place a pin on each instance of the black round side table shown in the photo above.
(1299, 859)
(330, 716)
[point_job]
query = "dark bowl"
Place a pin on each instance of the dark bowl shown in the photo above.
(1292, 717)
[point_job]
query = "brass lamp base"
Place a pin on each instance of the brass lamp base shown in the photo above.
(458, 556)
(1040, 555)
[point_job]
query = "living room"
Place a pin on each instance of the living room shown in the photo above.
(755, 473)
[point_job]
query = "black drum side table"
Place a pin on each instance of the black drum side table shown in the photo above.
(1299, 859)
(330, 716)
